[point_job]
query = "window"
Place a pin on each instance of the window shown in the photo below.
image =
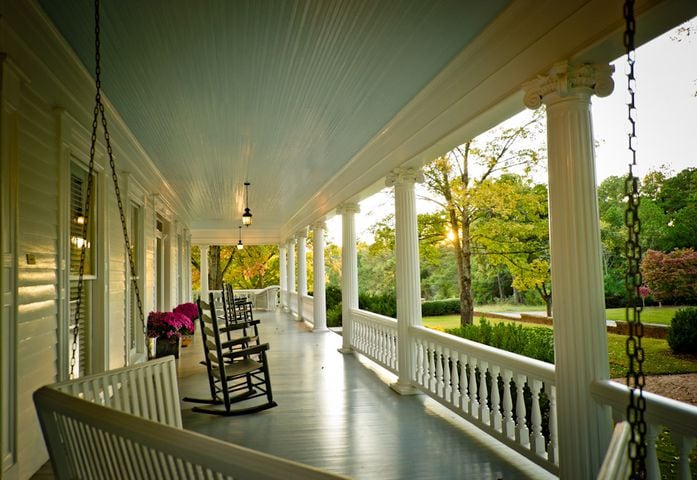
(79, 239)
(136, 340)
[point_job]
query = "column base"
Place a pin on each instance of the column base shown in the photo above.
(320, 330)
(404, 389)
(345, 351)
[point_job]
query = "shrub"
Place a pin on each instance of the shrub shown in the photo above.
(533, 342)
(334, 316)
(682, 336)
(450, 306)
(332, 296)
(382, 304)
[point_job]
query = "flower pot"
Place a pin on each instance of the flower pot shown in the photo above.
(186, 340)
(167, 346)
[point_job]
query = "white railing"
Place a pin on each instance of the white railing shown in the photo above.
(678, 417)
(309, 309)
(375, 336)
(148, 390)
(509, 396)
(293, 302)
(261, 298)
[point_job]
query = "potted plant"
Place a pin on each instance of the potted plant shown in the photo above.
(191, 311)
(166, 328)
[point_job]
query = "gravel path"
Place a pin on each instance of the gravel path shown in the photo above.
(679, 387)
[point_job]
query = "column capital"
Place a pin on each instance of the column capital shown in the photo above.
(320, 225)
(348, 207)
(301, 234)
(290, 241)
(564, 80)
(402, 175)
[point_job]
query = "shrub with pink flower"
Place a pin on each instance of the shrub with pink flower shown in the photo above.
(169, 324)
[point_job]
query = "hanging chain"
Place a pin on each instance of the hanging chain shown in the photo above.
(99, 110)
(635, 352)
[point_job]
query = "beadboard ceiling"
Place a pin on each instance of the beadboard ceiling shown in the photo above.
(278, 93)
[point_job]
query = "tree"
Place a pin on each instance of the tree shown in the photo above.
(671, 277)
(219, 261)
(451, 180)
(255, 266)
(516, 232)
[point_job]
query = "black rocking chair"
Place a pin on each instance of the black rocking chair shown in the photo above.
(234, 374)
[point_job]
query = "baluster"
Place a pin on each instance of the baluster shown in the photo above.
(508, 423)
(474, 403)
(484, 414)
(439, 371)
(418, 357)
(520, 410)
(553, 447)
(455, 379)
(496, 418)
(684, 444)
(464, 395)
(432, 364)
(538, 440)
(652, 469)
(446, 376)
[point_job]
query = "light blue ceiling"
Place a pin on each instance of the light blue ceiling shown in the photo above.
(279, 93)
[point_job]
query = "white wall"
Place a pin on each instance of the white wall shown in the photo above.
(52, 96)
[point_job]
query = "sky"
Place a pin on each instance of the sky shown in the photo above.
(666, 102)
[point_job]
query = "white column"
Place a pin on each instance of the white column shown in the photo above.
(282, 276)
(291, 272)
(580, 337)
(349, 271)
(301, 238)
(203, 262)
(408, 271)
(318, 281)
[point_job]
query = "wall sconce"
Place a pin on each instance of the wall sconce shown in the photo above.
(247, 215)
(240, 246)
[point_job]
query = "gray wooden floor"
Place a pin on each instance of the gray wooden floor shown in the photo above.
(336, 414)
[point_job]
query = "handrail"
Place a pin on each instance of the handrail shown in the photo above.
(521, 363)
(680, 417)
(375, 336)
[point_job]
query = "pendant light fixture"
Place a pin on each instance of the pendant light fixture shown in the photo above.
(240, 245)
(247, 215)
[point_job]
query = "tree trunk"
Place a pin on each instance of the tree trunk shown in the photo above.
(215, 280)
(466, 301)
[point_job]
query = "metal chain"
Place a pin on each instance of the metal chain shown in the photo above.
(99, 110)
(635, 352)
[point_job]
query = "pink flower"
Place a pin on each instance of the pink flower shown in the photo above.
(169, 324)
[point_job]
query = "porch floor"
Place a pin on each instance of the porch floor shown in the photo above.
(336, 414)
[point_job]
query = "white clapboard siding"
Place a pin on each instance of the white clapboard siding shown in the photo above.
(37, 275)
(117, 284)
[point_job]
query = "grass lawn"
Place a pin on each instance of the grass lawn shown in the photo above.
(662, 315)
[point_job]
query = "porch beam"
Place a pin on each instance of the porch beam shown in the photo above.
(318, 282)
(408, 271)
(301, 238)
(580, 337)
(349, 271)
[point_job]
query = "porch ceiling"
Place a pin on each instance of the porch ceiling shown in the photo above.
(313, 102)
(281, 94)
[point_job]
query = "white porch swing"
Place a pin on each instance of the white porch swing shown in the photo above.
(126, 423)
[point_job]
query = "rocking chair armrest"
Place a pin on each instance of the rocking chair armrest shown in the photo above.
(236, 342)
(248, 351)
